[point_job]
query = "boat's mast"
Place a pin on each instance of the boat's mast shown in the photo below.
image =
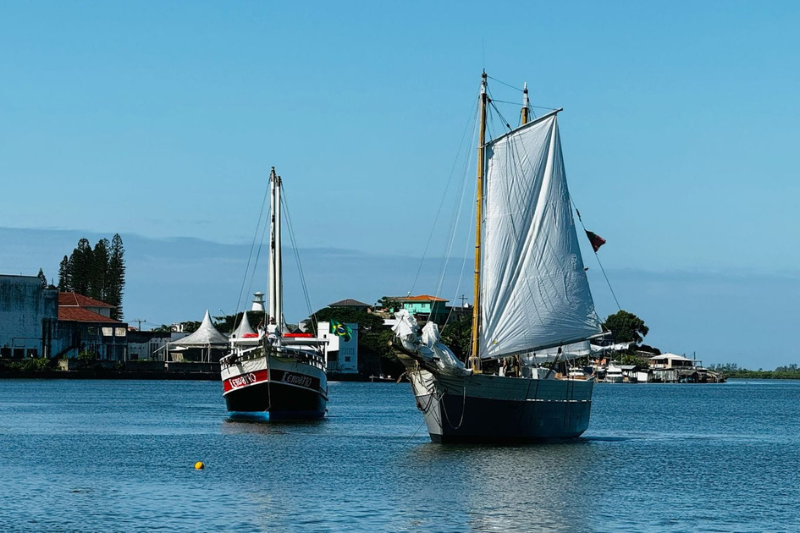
(272, 297)
(525, 104)
(476, 308)
(279, 258)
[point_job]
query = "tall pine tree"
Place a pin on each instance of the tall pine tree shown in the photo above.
(81, 267)
(99, 272)
(116, 276)
(64, 276)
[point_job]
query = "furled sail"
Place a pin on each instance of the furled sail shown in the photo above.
(535, 293)
(566, 352)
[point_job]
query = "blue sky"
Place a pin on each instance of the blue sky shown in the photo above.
(160, 121)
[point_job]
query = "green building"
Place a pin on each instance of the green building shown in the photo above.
(424, 307)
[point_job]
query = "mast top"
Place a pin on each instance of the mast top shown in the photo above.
(525, 105)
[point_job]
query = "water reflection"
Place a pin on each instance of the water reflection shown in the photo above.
(512, 488)
(238, 427)
(682, 458)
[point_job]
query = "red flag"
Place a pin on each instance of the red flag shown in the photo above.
(596, 240)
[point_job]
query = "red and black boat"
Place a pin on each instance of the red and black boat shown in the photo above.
(280, 380)
(274, 374)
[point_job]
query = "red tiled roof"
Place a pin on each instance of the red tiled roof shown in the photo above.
(422, 298)
(79, 314)
(73, 299)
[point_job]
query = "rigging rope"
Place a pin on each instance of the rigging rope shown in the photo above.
(490, 135)
(467, 243)
(463, 408)
(504, 83)
(444, 196)
(517, 103)
(603, 270)
(290, 227)
(458, 208)
(499, 114)
(250, 257)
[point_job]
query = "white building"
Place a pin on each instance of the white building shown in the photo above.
(342, 351)
(673, 368)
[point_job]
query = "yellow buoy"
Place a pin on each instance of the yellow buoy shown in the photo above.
(199, 465)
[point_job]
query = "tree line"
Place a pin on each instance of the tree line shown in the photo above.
(97, 272)
(732, 370)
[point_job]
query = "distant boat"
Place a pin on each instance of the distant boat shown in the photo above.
(273, 374)
(614, 374)
(532, 304)
(380, 378)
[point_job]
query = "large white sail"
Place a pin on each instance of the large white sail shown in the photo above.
(534, 288)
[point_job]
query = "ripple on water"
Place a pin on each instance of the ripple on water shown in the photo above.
(98, 456)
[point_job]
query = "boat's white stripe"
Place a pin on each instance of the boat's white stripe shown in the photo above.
(317, 391)
(527, 399)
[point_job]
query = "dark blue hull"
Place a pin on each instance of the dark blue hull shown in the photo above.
(493, 409)
(273, 400)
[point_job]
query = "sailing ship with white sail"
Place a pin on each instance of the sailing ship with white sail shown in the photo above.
(273, 374)
(533, 310)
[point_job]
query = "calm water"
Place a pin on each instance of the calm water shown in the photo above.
(119, 455)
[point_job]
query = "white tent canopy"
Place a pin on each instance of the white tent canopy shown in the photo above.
(243, 328)
(205, 336)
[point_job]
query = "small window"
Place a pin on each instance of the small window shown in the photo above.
(347, 359)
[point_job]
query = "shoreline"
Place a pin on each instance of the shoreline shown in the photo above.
(163, 375)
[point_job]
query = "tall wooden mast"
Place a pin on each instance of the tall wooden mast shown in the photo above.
(476, 308)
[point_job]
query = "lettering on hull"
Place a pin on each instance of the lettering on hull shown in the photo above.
(297, 379)
(290, 378)
(243, 380)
